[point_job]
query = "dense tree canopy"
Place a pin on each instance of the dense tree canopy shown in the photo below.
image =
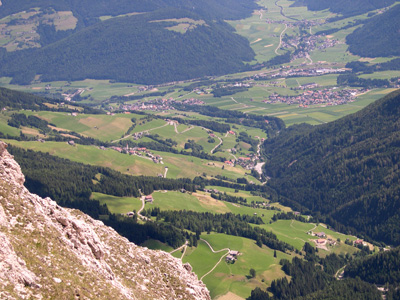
(347, 171)
(380, 36)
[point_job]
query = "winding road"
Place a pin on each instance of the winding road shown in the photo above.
(129, 135)
(220, 142)
(184, 246)
(280, 39)
(141, 209)
(213, 251)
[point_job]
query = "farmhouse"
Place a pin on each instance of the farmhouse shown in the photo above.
(359, 242)
(320, 234)
(149, 199)
(232, 256)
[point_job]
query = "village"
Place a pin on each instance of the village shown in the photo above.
(305, 44)
(158, 105)
(327, 96)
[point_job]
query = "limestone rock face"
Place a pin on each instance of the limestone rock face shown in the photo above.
(47, 251)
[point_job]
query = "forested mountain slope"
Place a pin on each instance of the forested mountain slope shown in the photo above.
(347, 170)
(344, 7)
(380, 36)
(141, 48)
(383, 268)
(19, 100)
(88, 11)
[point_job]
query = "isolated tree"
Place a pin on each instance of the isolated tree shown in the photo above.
(252, 273)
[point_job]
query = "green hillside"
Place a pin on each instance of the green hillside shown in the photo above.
(347, 170)
(148, 48)
(19, 100)
(380, 36)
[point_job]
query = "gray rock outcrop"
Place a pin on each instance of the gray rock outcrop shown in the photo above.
(51, 252)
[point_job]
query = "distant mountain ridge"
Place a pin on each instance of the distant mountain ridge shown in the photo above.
(347, 172)
(133, 48)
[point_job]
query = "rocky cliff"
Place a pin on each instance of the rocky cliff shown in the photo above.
(47, 251)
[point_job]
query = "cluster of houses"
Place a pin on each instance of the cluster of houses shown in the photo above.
(308, 43)
(322, 240)
(246, 162)
(193, 101)
(139, 151)
(296, 24)
(331, 96)
(152, 105)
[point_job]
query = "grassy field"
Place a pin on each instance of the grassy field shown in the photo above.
(101, 127)
(198, 202)
(4, 128)
(91, 155)
(234, 277)
(118, 205)
(382, 75)
(157, 245)
(179, 166)
(178, 201)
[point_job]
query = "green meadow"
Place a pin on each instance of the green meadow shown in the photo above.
(157, 245)
(174, 200)
(118, 205)
(234, 277)
(101, 127)
(179, 166)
